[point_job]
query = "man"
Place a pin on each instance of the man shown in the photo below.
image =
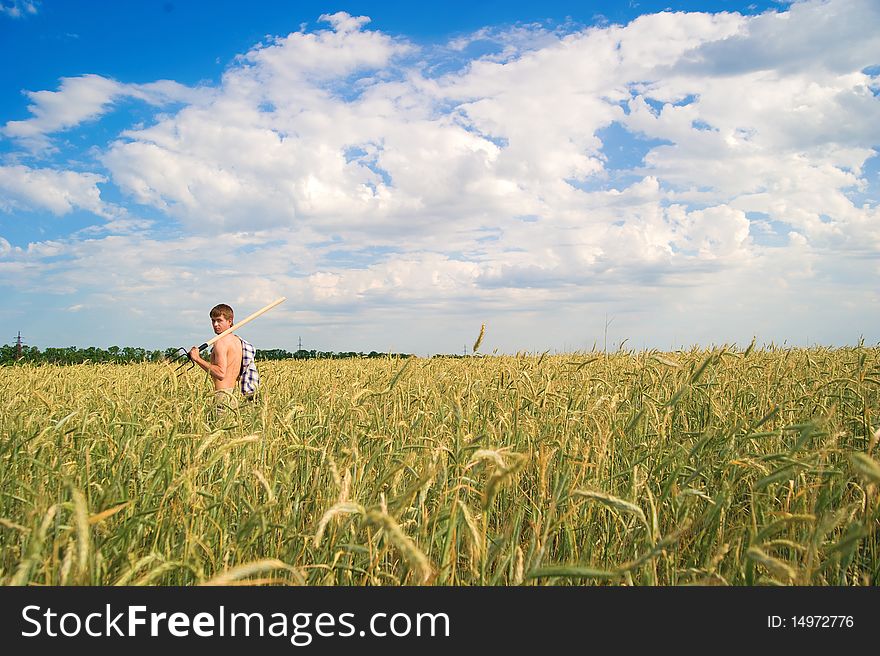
(226, 365)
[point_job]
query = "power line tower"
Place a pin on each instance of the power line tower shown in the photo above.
(300, 348)
(18, 354)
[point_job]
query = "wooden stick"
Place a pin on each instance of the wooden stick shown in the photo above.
(243, 322)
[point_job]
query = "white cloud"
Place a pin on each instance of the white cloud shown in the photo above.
(18, 8)
(292, 140)
(813, 36)
(85, 98)
(59, 192)
(275, 145)
(337, 168)
(326, 54)
(714, 232)
(78, 99)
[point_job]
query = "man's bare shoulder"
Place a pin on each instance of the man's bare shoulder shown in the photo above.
(230, 341)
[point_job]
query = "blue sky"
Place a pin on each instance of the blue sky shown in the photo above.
(568, 173)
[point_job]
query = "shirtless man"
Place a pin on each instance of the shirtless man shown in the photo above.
(225, 364)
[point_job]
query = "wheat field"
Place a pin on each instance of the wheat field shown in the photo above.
(709, 466)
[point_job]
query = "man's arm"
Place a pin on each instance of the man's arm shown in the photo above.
(217, 368)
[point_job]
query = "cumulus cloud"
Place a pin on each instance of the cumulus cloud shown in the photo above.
(85, 98)
(365, 175)
(78, 99)
(325, 54)
(59, 192)
(342, 123)
(18, 8)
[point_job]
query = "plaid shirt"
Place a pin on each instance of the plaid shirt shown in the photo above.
(250, 379)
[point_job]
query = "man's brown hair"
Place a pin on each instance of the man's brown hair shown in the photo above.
(222, 310)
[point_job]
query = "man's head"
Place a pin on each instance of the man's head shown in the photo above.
(221, 318)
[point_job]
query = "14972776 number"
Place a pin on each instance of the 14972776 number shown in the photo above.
(821, 621)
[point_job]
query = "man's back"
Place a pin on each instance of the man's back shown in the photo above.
(227, 355)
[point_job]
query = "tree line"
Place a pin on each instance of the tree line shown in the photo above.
(12, 353)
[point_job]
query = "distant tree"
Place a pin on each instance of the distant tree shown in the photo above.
(273, 354)
(7, 353)
(92, 354)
